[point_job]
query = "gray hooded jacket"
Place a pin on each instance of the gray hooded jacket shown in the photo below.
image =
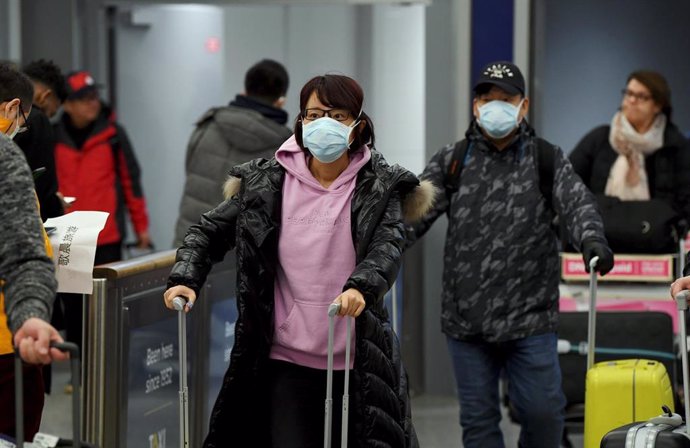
(224, 137)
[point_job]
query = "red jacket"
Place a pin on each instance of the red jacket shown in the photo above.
(102, 175)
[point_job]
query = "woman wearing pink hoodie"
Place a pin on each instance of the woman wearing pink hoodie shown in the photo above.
(321, 222)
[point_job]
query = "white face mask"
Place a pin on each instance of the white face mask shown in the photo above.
(327, 139)
(15, 131)
(499, 118)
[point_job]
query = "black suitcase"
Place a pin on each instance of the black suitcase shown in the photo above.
(73, 350)
(667, 430)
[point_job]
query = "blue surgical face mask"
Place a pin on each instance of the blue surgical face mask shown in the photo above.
(499, 118)
(327, 139)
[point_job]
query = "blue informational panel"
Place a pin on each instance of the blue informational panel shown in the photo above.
(151, 351)
(222, 339)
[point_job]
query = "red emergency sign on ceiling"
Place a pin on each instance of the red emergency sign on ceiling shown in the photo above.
(212, 45)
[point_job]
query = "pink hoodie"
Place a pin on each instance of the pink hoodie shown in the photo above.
(316, 256)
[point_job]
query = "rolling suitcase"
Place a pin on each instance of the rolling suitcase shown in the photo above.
(332, 311)
(666, 430)
(73, 350)
(619, 392)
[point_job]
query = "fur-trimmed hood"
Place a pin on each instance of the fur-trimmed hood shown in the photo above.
(416, 203)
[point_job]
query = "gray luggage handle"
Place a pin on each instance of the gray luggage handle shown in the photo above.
(592, 321)
(179, 303)
(333, 309)
(682, 305)
(73, 350)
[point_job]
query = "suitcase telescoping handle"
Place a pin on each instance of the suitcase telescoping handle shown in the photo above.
(179, 303)
(682, 304)
(592, 324)
(333, 309)
(73, 350)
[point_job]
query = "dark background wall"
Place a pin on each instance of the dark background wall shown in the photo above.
(584, 50)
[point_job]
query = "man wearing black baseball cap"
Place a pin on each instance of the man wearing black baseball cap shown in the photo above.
(500, 103)
(502, 187)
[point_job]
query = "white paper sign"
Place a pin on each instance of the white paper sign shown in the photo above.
(74, 249)
(45, 440)
(7, 444)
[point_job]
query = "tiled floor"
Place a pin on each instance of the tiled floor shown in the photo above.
(436, 422)
(435, 417)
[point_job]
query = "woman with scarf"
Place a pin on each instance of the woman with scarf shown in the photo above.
(320, 222)
(641, 155)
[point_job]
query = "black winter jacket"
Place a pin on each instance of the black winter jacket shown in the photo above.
(668, 169)
(250, 222)
(38, 143)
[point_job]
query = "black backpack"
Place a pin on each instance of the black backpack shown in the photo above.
(544, 160)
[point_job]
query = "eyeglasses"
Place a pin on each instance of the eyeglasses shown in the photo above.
(25, 127)
(642, 97)
(336, 114)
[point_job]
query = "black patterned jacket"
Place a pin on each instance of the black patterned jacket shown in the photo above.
(501, 265)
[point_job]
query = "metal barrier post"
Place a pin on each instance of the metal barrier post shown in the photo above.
(93, 365)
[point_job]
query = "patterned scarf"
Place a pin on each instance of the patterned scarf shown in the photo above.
(628, 176)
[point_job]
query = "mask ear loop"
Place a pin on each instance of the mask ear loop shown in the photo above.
(354, 125)
(518, 107)
(15, 131)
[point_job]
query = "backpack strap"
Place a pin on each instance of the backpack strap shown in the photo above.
(546, 160)
(452, 180)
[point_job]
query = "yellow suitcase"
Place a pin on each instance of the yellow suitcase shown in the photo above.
(621, 392)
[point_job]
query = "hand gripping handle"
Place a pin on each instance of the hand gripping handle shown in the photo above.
(179, 303)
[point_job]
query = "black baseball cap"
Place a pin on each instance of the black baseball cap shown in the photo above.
(502, 74)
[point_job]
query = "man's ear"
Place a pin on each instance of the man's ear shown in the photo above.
(524, 109)
(280, 102)
(475, 109)
(42, 97)
(12, 108)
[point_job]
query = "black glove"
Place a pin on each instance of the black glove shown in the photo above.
(594, 247)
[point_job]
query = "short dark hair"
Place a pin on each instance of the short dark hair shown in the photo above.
(337, 91)
(658, 87)
(48, 73)
(15, 84)
(267, 80)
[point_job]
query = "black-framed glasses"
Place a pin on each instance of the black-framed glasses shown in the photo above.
(629, 94)
(26, 126)
(336, 114)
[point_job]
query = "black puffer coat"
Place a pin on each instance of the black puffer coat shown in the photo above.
(250, 221)
(668, 169)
